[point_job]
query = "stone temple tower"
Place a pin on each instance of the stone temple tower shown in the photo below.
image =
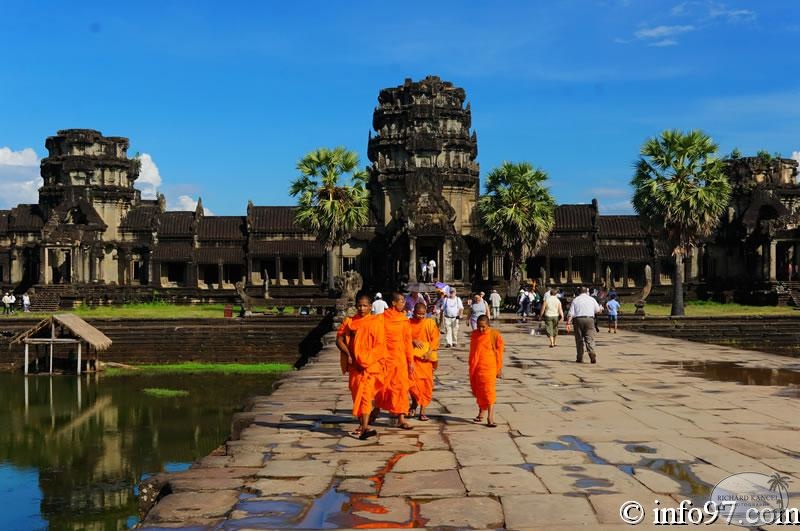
(85, 168)
(87, 192)
(424, 178)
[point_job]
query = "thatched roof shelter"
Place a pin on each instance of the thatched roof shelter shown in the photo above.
(74, 324)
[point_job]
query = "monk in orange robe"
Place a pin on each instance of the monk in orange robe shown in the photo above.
(399, 361)
(485, 366)
(362, 343)
(425, 338)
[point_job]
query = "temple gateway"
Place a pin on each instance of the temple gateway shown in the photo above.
(91, 236)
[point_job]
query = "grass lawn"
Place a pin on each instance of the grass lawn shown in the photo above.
(709, 309)
(157, 310)
(201, 368)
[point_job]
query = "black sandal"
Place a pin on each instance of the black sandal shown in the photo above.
(367, 434)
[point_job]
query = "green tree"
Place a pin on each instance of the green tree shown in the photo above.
(680, 192)
(328, 209)
(517, 213)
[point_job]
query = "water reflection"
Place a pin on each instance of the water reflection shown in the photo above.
(92, 438)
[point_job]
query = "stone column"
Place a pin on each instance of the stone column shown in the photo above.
(569, 269)
(278, 272)
(446, 266)
(301, 273)
(773, 260)
(547, 269)
(15, 267)
(45, 265)
(694, 266)
(625, 274)
(412, 259)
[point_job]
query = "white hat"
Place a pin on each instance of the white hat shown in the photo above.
(378, 295)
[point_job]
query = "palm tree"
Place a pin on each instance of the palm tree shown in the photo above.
(778, 483)
(680, 192)
(327, 209)
(517, 212)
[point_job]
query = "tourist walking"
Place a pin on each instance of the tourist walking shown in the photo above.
(479, 307)
(379, 306)
(552, 313)
(582, 313)
(612, 309)
(411, 300)
(485, 367)
(6, 304)
(399, 365)
(425, 337)
(495, 299)
(431, 270)
(524, 302)
(26, 302)
(452, 311)
(362, 343)
(12, 301)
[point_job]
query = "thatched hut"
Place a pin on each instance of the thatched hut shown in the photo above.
(64, 329)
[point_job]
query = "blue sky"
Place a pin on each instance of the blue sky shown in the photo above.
(225, 98)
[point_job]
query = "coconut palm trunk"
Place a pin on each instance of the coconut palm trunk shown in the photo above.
(331, 263)
(677, 286)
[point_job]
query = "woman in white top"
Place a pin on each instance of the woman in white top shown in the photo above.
(552, 312)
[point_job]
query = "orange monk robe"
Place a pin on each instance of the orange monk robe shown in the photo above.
(366, 341)
(426, 331)
(485, 363)
(394, 396)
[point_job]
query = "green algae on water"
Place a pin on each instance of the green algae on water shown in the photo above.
(200, 368)
(160, 392)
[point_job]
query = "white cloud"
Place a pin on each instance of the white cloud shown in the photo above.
(679, 9)
(732, 15)
(659, 32)
(185, 202)
(149, 178)
(19, 177)
(663, 43)
(25, 157)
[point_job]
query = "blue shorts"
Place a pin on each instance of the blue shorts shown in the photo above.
(612, 318)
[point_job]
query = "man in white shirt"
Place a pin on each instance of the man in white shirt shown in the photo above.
(582, 312)
(431, 269)
(379, 305)
(6, 304)
(452, 310)
(495, 299)
(12, 300)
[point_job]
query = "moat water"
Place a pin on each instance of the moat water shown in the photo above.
(73, 449)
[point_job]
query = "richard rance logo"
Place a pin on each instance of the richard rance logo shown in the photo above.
(752, 500)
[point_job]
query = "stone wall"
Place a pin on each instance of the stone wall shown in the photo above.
(768, 333)
(286, 339)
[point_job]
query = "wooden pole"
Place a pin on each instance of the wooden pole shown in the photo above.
(26, 360)
(79, 358)
(52, 336)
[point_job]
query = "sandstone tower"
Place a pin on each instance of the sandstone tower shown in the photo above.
(424, 178)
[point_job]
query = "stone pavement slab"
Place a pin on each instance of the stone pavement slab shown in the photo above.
(464, 513)
(573, 442)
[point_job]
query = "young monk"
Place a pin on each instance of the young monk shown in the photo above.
(398, 367)
(425, 338)
(362, 343)
(485, 366)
